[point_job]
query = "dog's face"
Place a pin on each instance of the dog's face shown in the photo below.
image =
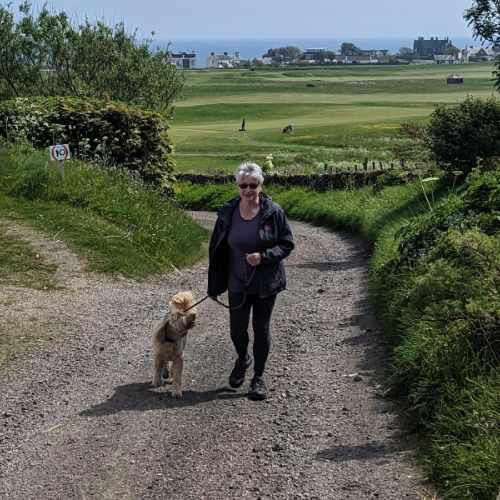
(181, 301)
(179, 304)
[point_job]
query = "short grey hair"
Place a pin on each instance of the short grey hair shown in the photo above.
(248, 169)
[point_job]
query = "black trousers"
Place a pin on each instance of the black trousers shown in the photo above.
(261, 324)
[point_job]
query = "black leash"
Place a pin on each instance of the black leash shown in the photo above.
(215, 299)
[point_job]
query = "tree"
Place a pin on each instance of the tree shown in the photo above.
(484, 17)
(451, 51)
(349, 49)
(284, 54)
(405, 52)
(46, 54)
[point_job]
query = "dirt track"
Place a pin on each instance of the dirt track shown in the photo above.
(79, 419)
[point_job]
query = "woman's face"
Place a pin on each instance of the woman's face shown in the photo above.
(249, 188)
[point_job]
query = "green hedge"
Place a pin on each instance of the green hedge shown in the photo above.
(106, 132)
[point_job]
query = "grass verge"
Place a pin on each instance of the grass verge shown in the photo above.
(21, 265)
(112, 219)
(435, 281)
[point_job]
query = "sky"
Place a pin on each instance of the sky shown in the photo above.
(171, 19)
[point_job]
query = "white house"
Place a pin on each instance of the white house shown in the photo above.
(477, 54)
(183, 60)
(224, 60)
(446, 59)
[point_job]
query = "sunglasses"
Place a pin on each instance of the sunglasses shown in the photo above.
(251, 186)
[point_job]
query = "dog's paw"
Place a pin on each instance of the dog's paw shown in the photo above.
(177, 394)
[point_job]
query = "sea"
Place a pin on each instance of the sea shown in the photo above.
(256, 48)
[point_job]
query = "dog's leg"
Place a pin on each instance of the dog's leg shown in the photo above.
(177, 365)
(159, 363)
(166, 373)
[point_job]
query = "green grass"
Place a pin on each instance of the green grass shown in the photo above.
(349, 112)
(114, 221)
(21, 265)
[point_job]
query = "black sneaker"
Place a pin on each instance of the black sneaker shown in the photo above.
(237, 376)
(258, 389)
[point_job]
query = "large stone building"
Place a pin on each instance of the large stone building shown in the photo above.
(432, 47)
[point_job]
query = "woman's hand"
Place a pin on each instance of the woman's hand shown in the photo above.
(254, 259)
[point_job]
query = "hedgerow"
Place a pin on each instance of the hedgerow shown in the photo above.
(440, 301)
(106, 132)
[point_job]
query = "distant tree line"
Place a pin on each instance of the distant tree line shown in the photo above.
(46, 54)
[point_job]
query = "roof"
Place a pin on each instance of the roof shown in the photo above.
(184, 55)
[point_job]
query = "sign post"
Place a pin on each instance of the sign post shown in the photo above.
(60, 153)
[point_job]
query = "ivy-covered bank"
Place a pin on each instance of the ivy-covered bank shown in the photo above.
(435, 278)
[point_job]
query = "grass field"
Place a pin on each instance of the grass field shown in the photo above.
(342, 114)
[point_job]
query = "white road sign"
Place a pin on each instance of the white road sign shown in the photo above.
(60, 152)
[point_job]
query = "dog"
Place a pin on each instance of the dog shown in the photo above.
(169, 341)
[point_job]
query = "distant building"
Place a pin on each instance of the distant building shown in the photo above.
(318, 55)
(224, 60)
(378, 53)
(361, 59)
(446, 59)
(432, 47)
(313, 54)
(183, 60)
(479, 54)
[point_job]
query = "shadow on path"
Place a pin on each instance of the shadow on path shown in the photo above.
(373, 449)
(143, 397)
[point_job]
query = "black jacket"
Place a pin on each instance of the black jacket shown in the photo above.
(274, 236)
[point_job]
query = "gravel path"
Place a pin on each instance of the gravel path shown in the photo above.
(79, 419)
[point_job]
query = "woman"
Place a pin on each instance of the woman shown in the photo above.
(250, 239)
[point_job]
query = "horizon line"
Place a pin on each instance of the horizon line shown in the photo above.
(319, 37)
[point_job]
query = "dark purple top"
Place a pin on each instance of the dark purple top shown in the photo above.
(242, 239)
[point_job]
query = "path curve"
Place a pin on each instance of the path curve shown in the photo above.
(79, 419)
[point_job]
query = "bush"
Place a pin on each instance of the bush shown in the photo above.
(459, 137)
(109, 133)
(478, 206)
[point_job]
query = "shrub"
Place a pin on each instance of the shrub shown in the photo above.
(391, 178)
(478, 206)
(109, 133)
(459, 137)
